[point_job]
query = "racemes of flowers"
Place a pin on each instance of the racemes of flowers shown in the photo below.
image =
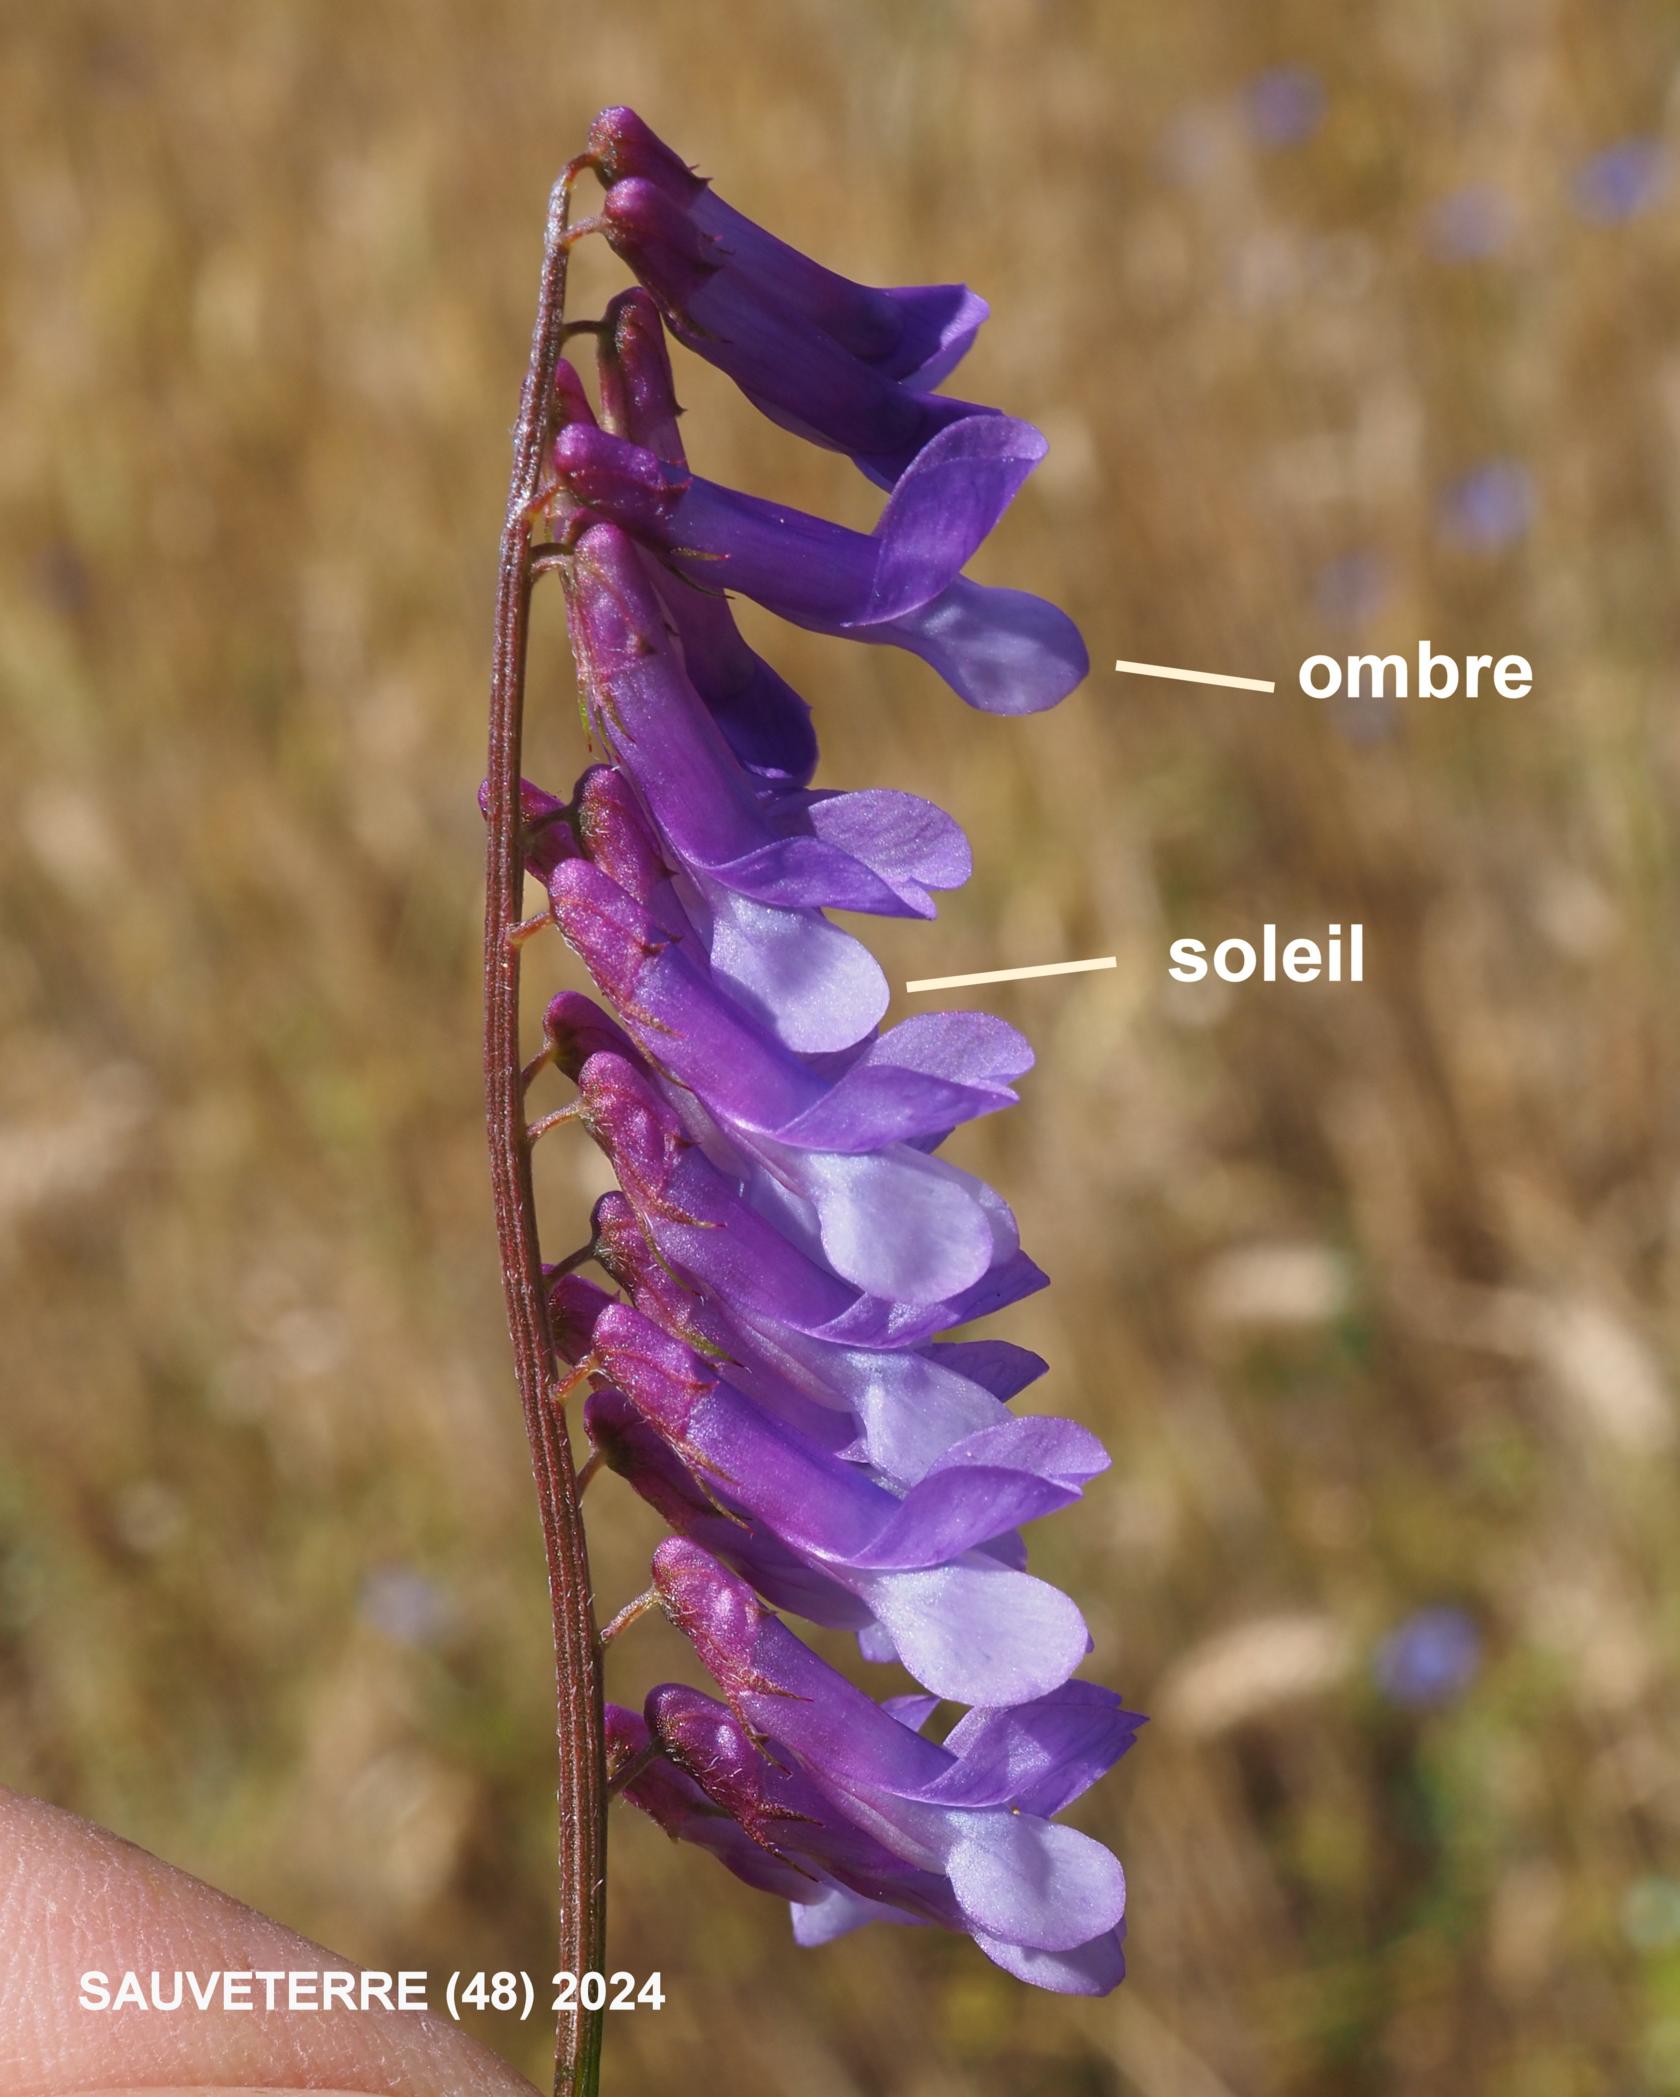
(787, 1245)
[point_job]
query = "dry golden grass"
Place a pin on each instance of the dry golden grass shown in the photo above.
(1372, 1292)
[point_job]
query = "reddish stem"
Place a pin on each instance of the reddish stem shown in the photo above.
(581, 1902)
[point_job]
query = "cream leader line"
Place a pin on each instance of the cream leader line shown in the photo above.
(1241, 684)
(1014, 975)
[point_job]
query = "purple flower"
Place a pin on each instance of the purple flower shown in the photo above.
(931, 1569)
(1429, 1658)
(808, 983)
(790, 1245)
(786, 365)
(1001, 650)
(919, 1080)
(1041, 1899)
(842, 1169)
(1489, 509)
(918, 334)
(769, 1262)
(1353, 587)
(1621, 181)
(876, 851)
(769, 1826)
(1285, 105)
(906, 1406)
(405, 1605)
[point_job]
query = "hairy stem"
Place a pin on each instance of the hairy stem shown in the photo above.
(581, 1901)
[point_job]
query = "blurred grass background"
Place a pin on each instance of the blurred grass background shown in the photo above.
(1349, 324)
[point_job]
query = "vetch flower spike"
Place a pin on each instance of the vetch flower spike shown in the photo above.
(776, 1380)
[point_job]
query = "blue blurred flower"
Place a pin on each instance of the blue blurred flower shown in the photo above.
(1285, 105)
(1472, 223)
(1621, 181)
(1488, 509)
(1428, 1659)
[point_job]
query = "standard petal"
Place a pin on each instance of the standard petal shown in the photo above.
(943, 508)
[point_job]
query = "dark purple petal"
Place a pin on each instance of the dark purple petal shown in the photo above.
(998, 1366)
(763, 719)
(786, 364)
(918, 332)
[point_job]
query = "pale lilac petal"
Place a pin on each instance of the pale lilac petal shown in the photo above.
(1096, 1968)
(1029, 1881)
(815, 987)
(979, 1633)
(912, 1710)
(1003, 651)
(832, 1912)
(897, 1224)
